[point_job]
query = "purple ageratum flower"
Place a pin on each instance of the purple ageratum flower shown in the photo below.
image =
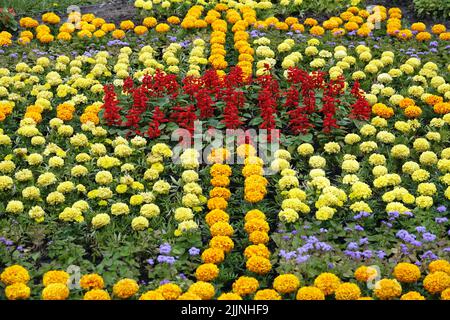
(151, 261)
(404, 248)
(302, 259)
(352, 246)
(421, 229)
(402, 234)
(165, 281)
(323, 230)
(441, 220)
(286, 237)
(428, 237)
(330, 265)
(394, 214)
(165, 248)
(306, 227)
(381, 254)
(418, 263)
(294, 232)
(410, 238)
(363, 241)
(172, 38)
(194, 251)
(182, 276)
(359, 228)
(312, 239)
(441, 209)
(434, 43)
(416, 243)
(387, 224)
(409, 213)
(447, 249)
(9, 242)
(367, 254)
(429, 255)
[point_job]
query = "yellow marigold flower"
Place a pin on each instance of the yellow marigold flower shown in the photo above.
(259, 265)
(55, 276)
(412, 295)
(267, 294)
(436, 282)
(327, 283)
(125, 288)
(257, 237)
(215, 216)
(17, 291)
(413, 112)
(207, 272)
(221, 229)
(438, 29)
(229, 296)
(203, 289)
(55, 291)
(286, 283)
(406, 272)
(219, 169)
(256, 225)
(347, 291)
(162, 27)
(222, 242)
(92, 281)
(445, 295)
(150, 22)
(189, 296)
(220, 181)
(220, 193)
(217, 203)
(245, 285)
(439, 265)
(213, 255)
(364, 273)
(310, 293)
(170, 291)
(151, 295)
(96, 294)
(14, 274)
(127, 25)
(387, 289)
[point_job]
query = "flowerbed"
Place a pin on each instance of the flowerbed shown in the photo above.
(108, 193)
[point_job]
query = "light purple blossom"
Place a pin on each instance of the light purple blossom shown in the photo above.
(165, 248)
(194, 251)
(428, 237)
(441, 220)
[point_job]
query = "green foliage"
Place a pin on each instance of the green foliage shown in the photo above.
(7, 20)
(437, 9)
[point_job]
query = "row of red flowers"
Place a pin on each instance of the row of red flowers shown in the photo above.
(304, 101)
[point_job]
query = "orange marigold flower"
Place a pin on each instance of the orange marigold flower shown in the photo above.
(245, 285)
(327, 283)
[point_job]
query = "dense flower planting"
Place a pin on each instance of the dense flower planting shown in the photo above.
(103, 197)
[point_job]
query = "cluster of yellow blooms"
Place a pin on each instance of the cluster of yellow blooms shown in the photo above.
(255, 184)
(193, 198)
(293, 197)
(435, 283)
